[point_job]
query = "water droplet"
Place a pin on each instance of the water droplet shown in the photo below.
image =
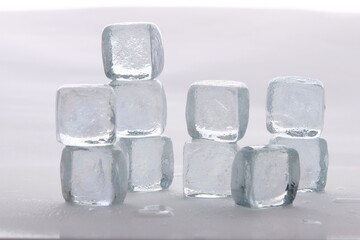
(346, 200)
(91, 209)
(156, 210)
(310, 221)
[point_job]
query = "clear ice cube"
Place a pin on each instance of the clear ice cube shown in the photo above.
(85, 115)
(217, 110)
(132, 51)
(265, 176)
(151, 162)
(94, 175)
(295, 106)
(314, 161)
(207, 168)
(140, 108)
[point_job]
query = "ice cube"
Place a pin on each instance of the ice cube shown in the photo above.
(295, 106)
(140, 108)
(265, 176)
(94, 175)
(314, 161)
(85, 115)
(151, 162)
(217, 110)
(207, 168)
(132, 51)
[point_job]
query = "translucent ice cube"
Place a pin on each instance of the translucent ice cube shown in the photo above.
(295, 106)
(132, 51)
(265, 176)
(217, 110)
(140, 108)
(314, 161)
(207, 168)
(85, 115)
(151, 162)
(94, 175)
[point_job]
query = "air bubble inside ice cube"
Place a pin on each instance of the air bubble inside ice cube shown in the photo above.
(217, 110)
(295, 106)
(94, 175)
(151, 162)
(265, 176)
(132, 51)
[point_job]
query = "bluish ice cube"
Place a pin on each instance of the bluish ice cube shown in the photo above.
(295, 106)
(151, 162)
(94, 175)
(207, 168)
(314, 161)
(132, 51)
(265, 176)
(85, 115)
(217, 110)
(140, 108)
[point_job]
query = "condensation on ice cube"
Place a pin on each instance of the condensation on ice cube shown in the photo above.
(94, 175)
(217, 110)
(85, 115)
(295, 106)
(207, 168)
(314, 161)
(132, 51)
(151, 162)
(265, 176)
(140, 108)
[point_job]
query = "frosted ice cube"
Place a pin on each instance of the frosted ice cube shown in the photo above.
(295, 106)
(151, 162)
(140, 108)
(94, 175)
(265, 176)
(132, 51)
(85, 115)
(207, 168)
(217, 110)
(314, 161)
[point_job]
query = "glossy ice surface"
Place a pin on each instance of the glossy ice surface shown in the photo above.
(207, 168)
(132, 51)
(217, 110)
(314, 161)
(85, 115)
(295, 106)
(151, 162)
(140, 108)
(94, 175)
(265, 176)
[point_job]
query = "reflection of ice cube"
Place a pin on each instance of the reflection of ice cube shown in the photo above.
(265, 176)
(140, 108)
(314, 160)
(207, 168)
(85, 115)
(132, 51)
(94, 175)
(151, 162)
(295, 106)
(217, 110)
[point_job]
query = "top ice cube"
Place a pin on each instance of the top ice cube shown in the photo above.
(295, 106)
(217, 110)
(132, 51)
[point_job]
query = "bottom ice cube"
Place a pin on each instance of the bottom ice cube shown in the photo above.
(265, 176)
(314, 161)
(207, 168)
(94, 175)
(151, 162)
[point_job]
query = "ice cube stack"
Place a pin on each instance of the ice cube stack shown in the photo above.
(217, 115)
(295, 115)
(113, 132)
